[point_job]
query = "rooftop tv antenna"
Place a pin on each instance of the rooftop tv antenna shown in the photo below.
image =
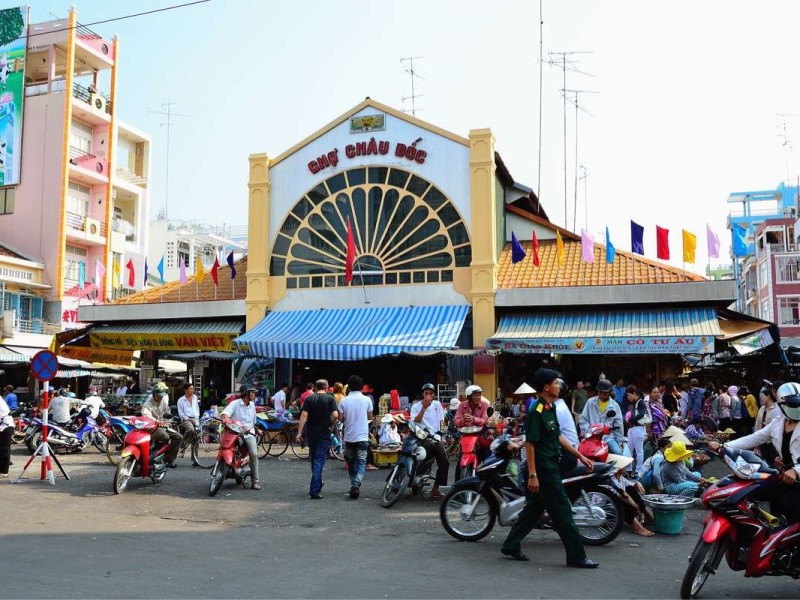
(783, 133)
(584, 177)
(573, 97)
(566, 62)
(413, 75)
(166, 109)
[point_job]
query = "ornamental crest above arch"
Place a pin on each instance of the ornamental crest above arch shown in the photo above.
(405, 229)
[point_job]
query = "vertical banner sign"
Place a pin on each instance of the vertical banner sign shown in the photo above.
(13, 42)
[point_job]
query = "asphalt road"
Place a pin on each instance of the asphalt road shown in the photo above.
(78, 540)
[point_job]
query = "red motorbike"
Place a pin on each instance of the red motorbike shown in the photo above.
(737, 528)
(138, 459)
(233, 459)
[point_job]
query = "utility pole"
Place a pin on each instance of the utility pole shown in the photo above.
(413, 75)
(787, 141)
(565, 62)
(166, 109)
(574, 100)
(541, 63)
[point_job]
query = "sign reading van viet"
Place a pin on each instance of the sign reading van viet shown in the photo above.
(98, 355)
(162, 341)
(13, 42)
(624, 345)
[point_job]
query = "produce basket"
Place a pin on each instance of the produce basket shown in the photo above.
(668, 511)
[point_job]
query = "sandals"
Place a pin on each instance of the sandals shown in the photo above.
(255, 486)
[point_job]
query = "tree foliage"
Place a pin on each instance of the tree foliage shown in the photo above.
(11, 25)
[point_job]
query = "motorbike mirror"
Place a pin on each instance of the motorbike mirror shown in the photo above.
(489, 411)
(611, 414)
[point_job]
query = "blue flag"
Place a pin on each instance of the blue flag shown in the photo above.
(145, 272)
(81, 275)
(739, 243)
(229, 260)
(637, 238)
(611, 252)
(160, 269)
(517, 251)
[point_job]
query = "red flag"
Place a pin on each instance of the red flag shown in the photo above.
(214, 270)
(131, 272)
(662, 242)
(535, 250)
(351, 254)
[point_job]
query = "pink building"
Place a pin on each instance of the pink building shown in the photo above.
(82, 200)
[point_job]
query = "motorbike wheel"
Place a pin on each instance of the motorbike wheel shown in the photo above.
(203, 455)
(100, 442)
(609, 530)
(34, 440)
(454, 513)
(114, 446)
(18, 437)
(701, 564)
(123, 474)
(395, 488)
(466, 472)
(217, 477)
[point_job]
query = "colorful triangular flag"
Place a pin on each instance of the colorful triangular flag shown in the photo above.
(662, 243)
(131, 273)
(713, 242)
(587, 247)
(183, 277)
(229, 260)
(215, 271)
(611, 252)
(517, 251)
(160, 269)
(689, 246)
(535, 244)
(198, 270)
(559, 249)
(145, 272)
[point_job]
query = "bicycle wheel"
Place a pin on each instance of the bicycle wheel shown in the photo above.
(263, 442)
(203, 454)
(300, 449)
(278, 442)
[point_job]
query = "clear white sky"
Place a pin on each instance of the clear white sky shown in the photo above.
(686, 112)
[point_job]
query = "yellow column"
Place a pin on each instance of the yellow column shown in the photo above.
(68, 77)
(484, 246)
(112, 149)
(260, 188)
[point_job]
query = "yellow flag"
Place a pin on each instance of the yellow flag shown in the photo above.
(689, 246)
(559, 249)
(115, 275)
(198, 270)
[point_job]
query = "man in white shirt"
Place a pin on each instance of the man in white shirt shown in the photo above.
(430, 413)
(122, 389)
(94, 403)
(356, 412)
(243, 410)
(567, 425)
(58, 409)
(279, 399)
(156, 407)
(189, 412)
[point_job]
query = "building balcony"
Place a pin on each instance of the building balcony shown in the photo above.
(783, 248)
(92, 107)
(126, 228)
(127, 176)
(85, 229)
(87, 169)
(37, 326)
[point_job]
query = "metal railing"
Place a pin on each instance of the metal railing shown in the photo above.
(776, 248)
(85, 95)
(76, 221)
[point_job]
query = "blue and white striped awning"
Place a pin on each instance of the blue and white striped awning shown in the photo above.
(643, 331)
(354, 333)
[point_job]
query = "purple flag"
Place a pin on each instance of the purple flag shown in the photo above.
(184, 279)
(517, 251)
(587, 247)
(229, 260)
(713, 242)
(637, 238)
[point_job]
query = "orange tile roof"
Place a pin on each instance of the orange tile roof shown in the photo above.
(173, 291)
(627, 268)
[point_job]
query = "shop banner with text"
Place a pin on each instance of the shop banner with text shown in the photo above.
(636, 345)
(162, 341)
(98, 355)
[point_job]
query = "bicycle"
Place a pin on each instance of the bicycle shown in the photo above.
(300, 449)
(273, 438)
(337, 441)
(200, 441)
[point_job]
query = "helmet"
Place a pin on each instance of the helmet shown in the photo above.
(604, 385)
(245, 389)
(789, 400)
(429, 386)
(62, 392)
(160, 388)
(471, 389)
(71, 395)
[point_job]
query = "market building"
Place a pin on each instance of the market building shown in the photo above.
(434, 292)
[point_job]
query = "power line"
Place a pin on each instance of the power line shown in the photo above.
(130, 16)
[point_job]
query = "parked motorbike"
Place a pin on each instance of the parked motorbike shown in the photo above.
(413, 465)
(59, 438)
(138, 459)
(20, 427)
(91, 433)
(469, 510)
(738, 529)
(233, 458)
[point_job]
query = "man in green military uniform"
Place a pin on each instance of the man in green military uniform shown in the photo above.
(543, 446)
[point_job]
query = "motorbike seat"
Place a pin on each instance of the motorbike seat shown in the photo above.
(578, 470)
